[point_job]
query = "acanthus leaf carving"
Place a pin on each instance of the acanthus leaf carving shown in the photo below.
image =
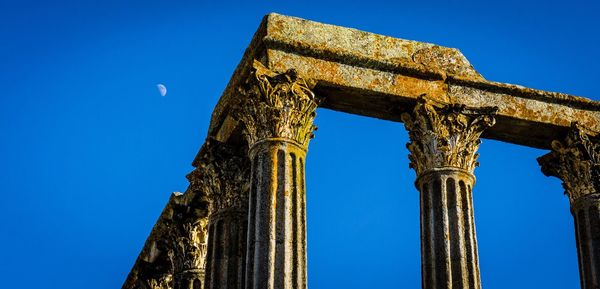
(225, 171)
(445, 135)
(576, 162)
(277, 105)
(187, 238)
(160, 282)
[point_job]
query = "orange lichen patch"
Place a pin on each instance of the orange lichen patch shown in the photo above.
(312, 70)
(525, 111)
(591, 123)
(356, 77)
(411, 86)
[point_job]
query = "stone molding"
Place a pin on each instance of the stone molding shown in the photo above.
(277, 105)
(576, 161)
(445, 135)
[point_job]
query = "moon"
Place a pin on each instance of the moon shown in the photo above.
(162, 89)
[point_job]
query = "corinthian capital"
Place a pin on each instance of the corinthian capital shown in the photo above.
(224, 170)
(445, 136)
(188, 235)
(576, 161)
(161, 282)
(277, 106)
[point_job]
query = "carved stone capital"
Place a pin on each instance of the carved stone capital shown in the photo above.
(188, 236)
(160, 282)
(445, 136)
(224, 174)
(189, 246)
(576, 161)
(277, 105)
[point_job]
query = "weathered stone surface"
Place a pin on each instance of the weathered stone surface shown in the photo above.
(576, 161)
(443, 153)
(188, 246)
(277, 106)
(277, 117)
(224, 169)
(446, 136)
(276, 251)
(379, 76)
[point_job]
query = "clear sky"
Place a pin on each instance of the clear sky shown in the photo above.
(90, 151)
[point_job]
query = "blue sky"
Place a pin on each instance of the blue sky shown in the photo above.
(90, 151)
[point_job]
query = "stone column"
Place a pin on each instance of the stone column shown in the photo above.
(228, 169)
(444, 142)
(576, 161)
(189, 235)
(277, 113)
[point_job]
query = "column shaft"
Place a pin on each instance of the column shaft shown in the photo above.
(276, 228)
(587, 231)
(226, 260)
(449, 248)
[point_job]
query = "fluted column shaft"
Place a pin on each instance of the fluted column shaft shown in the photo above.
(586, 214)
(444, 142)
(277, 217)
(576, 161)
(277, 114)
(227, 250)
(448, 242)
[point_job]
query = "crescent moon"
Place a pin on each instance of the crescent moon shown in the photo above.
(162, 89)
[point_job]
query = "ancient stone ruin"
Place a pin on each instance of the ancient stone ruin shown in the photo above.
(242, 221)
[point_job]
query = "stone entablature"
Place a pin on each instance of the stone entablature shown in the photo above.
(380, 76)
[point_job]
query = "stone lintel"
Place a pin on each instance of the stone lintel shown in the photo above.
(379, 76)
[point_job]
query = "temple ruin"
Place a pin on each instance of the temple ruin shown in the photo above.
(241, 223)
